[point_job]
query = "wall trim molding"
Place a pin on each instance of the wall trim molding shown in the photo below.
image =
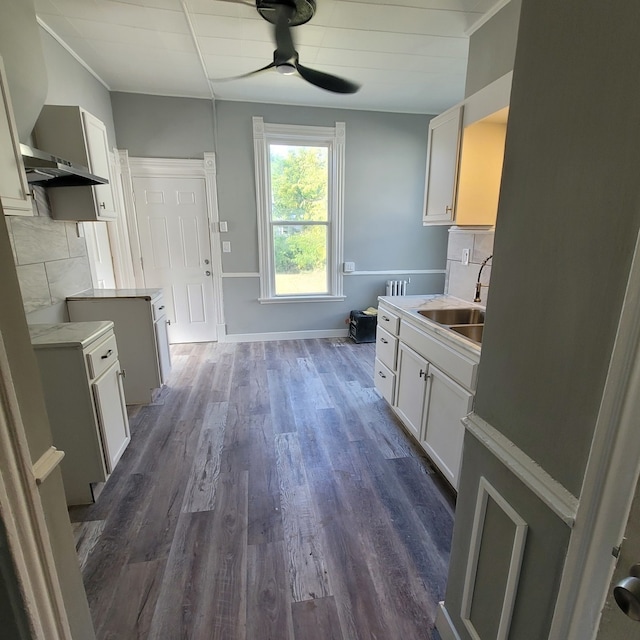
(397, 272)
(71, 52)
(46, 463)
(486, 17)
(282, 335)
(172, 167)
(38, 591)
(444, 625)
(240, 274)
(485, 491)
(561, 501)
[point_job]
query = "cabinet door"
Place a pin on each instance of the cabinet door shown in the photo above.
(14, 189)
(411, 388)
(98, 154)
(112, 415)
(448, 403)
(162, 346)
(442, 167)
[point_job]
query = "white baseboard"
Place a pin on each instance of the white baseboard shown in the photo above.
(444, 625)
(282, 335)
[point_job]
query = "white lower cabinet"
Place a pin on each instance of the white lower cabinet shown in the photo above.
(443, 431)
(411, 389)
(429, 383)
(112, 414)
(82, 383)
(140, 320)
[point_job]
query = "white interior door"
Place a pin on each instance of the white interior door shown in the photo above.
(614, 623)
(173, 228)
(99, 252)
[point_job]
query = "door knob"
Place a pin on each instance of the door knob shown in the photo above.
(627, 593)
(207, 273)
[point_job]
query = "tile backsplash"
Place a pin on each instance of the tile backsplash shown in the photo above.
(461, 279)
(51, 260)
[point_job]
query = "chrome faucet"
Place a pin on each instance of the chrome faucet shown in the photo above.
(478, 283)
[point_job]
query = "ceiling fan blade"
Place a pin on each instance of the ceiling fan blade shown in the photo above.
(326, 80)
(285, 49)
(247, 2)
(244, 75)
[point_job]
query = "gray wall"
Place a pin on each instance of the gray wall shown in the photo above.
(24, 61)
(22, 53)
(492, 48)
(70, 83)
(385, 156)
(51, 259)
(567, 224)
(385, 161)
(163, 127)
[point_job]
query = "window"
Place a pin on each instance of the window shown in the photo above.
(299, 191)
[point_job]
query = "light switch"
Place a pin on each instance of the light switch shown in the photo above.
(349, 267)
(226, 247)
(465, 256)
(223, 226)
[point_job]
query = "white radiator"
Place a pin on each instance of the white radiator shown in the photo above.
(397, 287)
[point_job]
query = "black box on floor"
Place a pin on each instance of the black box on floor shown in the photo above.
(362, 327)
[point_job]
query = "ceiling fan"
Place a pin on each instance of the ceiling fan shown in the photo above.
(285, 14)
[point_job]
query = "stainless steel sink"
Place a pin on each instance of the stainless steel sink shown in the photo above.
(471, 331)
(454, 316)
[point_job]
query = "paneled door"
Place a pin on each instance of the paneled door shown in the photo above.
(175, 245)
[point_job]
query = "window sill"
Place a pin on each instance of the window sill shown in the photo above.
(281, 299)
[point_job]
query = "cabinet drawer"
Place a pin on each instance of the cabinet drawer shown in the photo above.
(385, 381)
(389, 321)
(456, 365)
(100, 358)
(158, 308)
(386, 348)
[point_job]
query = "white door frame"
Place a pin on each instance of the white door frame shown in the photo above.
(21, 512)
(176, 168)
(610, 481)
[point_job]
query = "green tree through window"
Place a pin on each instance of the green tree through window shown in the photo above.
(299, 218)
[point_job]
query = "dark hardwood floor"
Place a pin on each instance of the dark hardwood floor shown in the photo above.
(268, 494)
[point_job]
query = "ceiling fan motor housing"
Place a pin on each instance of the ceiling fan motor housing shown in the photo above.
(303, 10)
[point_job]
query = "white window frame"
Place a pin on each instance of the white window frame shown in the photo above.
(265, 134)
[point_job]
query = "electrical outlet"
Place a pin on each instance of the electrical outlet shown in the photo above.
(223, 226)
(226, 247)
(349, 267)
(465, 256)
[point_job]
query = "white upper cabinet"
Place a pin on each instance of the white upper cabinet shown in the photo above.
(464, 158)
(74, 134)
(14, 189)
(442, 167)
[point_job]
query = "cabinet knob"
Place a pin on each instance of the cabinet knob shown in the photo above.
(161, 308)
(122, 373)
(448, 209)
(381, 374)
(207, 273)
(385, 318)
(103, 205)
(168, 321)
(384, 341)
(106, 355)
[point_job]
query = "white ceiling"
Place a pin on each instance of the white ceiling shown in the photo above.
(409, 55)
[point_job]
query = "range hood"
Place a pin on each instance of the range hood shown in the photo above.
(47, 170)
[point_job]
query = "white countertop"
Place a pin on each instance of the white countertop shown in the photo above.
(68, 334)
(407, 308)
(92, 294)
